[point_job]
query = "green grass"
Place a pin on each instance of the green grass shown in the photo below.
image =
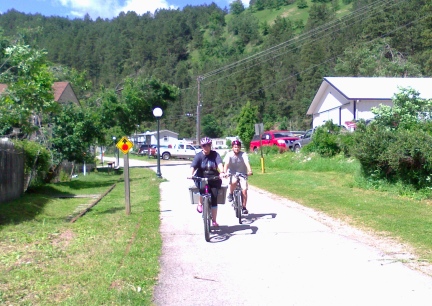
(105, 257)
(330, 186)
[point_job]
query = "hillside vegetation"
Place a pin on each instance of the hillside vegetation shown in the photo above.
(274, 57)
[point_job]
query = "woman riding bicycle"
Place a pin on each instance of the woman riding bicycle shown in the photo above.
(208, 164)
(237, 161)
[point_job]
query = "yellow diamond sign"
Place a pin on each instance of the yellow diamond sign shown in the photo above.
(124, 145)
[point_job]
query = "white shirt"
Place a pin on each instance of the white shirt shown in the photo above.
(237, 163)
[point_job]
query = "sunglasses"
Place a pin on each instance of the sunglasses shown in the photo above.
(206, 145)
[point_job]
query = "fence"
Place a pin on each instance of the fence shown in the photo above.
(11, 172)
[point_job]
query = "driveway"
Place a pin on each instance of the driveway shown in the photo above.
(282, 254)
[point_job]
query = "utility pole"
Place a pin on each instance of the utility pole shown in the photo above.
(198, 120)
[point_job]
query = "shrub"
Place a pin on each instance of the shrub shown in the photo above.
(325, 140)
(396, 156)
(37, 160)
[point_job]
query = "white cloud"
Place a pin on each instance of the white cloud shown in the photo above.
(245, 2)
(111, 8)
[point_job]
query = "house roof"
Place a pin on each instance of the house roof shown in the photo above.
(2, 87)
(374, 88)
(154, 132)
(58, 87)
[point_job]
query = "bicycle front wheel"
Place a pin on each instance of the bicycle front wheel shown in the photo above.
(238, 206)
(206, 217)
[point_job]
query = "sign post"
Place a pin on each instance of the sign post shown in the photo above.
(125, 145)
(259, 129)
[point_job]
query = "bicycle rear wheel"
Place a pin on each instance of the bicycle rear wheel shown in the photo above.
(238, 206)
(206, 218)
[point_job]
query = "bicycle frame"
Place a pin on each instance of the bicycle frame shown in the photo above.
(238, 196)
(206, 202)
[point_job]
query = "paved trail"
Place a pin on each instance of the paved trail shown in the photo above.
(282, 254)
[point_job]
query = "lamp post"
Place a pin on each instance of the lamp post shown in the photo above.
(115, 148)
(157, 112)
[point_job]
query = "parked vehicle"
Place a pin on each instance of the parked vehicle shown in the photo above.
(179, 150)
(153, 150)
(304, 140)
(144, 149)
(282, 139)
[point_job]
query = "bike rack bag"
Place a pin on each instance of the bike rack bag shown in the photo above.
(194, 194)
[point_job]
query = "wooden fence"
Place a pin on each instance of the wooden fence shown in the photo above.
(11, 172)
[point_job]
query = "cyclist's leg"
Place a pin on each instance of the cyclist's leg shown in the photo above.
(232, 186)
(244, 185)
(199, 206)
(215, 186)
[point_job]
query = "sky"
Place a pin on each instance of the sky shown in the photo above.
(100, 8)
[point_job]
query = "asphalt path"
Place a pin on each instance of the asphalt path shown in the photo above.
(282, 254)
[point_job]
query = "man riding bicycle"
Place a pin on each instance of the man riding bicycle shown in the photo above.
(237, 161)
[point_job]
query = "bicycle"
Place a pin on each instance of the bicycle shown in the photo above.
(238, 195)
(206, 202)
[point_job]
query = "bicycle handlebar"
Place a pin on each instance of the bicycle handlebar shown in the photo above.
(238, 174)
(213, 178)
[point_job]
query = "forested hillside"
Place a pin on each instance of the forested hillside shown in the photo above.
(273, 54)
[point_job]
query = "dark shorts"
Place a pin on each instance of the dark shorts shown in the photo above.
(214, 189)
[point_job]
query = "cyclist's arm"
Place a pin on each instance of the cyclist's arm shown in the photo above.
(246, 161)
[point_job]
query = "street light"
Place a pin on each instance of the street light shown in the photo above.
(116, 153)
(157, 112)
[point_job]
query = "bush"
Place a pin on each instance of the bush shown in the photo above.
(37, 160)
(325, 140)
(396, 156)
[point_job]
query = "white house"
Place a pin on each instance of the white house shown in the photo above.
(166, 137)
(344, 99)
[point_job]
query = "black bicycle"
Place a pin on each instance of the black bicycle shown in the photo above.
(206, 202)
(238, 195)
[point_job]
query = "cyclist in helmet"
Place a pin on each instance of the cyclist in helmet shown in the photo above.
(237, 161)
(208, 163)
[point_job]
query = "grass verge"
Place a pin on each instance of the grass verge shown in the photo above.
(330, 186)
(105, 257)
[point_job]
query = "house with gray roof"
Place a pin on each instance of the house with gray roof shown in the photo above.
(346, 99)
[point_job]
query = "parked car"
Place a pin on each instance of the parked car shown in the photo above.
(153, 150)
(304, 140)
(298, 133)
(282, 139)
(144, 148)
(179, 150)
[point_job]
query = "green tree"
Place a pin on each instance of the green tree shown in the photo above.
(236, 7)
(407, 112)
(377, 59)
(138, 98)
(74, 130)
(211, 127)
(246, 120)
(29, 92)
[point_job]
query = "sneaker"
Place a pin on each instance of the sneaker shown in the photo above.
(244, 211)
(199, 208)
(214, 223)
(230, 197)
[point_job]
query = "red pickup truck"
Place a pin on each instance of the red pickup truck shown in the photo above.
(282, 139)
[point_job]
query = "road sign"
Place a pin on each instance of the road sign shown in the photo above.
(124, 145)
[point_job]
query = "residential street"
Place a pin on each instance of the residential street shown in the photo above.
(282, 254)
